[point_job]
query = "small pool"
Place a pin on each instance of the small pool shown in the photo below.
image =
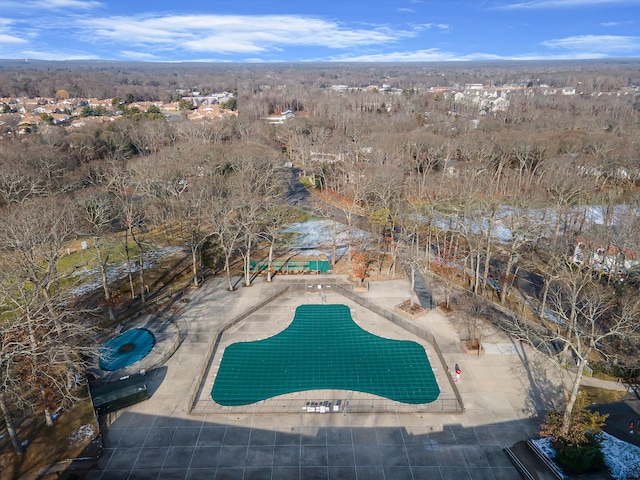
(123, 350)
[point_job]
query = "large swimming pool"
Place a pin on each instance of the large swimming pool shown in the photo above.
(324, 349)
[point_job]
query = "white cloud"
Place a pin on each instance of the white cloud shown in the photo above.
(226, 34)
(427, 55)
(51, 5)
(77, 4)
(549, 4)
(138, 55)
(11, 39)
(596, 43)
(426, 26)
(406, 10)
(55, 55)
(616, 24)
(8, 36)
(435, 55)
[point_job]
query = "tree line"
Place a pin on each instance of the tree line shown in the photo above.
(120, 190)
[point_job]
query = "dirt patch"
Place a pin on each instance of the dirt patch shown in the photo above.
(69, 437)
(375, 273)
(410, 309)
(471, 347)
(444, 310)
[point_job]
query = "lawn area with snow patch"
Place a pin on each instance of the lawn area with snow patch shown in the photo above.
(622, 458)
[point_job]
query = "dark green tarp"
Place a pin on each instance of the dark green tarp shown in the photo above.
(116, 395)
(324, 349)
(321, 266)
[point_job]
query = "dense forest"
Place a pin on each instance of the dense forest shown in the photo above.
(516, 181)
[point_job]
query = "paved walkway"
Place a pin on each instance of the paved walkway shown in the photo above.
(159, 439)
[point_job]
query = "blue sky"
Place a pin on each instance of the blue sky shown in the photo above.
(330, 30)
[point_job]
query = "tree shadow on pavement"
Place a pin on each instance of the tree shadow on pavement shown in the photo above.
(542, 393)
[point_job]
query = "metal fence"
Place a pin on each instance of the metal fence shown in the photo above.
(347, 404)
(215, 342)
(301, 403)
(410, 327)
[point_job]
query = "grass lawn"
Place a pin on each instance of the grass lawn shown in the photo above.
(601, 395)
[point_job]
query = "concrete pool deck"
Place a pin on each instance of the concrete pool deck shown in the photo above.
(159, 439)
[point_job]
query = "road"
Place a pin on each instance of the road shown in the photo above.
(295, 194)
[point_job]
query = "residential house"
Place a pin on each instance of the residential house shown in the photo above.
(605, 250)
(279, 119)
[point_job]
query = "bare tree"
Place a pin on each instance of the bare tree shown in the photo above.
(451, 262)
(47, 343)
(583, 319)
(525, 227)
(565, 189)
(122, 186)
(10, 347)
(277, 218)
(149, 136)
(349, 196)
(190, 210)
(410, 262)
(251, 217)
(329, 213)
(222, 217)
(98, 214)
(82, 146)
(17, 185)
(210, 132)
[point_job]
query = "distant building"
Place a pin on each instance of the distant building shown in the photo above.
(598, 250)
(279, 119)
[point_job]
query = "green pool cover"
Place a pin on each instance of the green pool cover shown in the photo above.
(324, 349)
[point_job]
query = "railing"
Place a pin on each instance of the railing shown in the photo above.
(518, 464)
(548, 463)
(410, 327)
(293, 266)
(314, 405)
(196, 390)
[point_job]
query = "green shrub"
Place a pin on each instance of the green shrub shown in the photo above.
(577, 444)
(580, 458)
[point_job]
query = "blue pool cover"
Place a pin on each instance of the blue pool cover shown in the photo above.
(123, 350)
